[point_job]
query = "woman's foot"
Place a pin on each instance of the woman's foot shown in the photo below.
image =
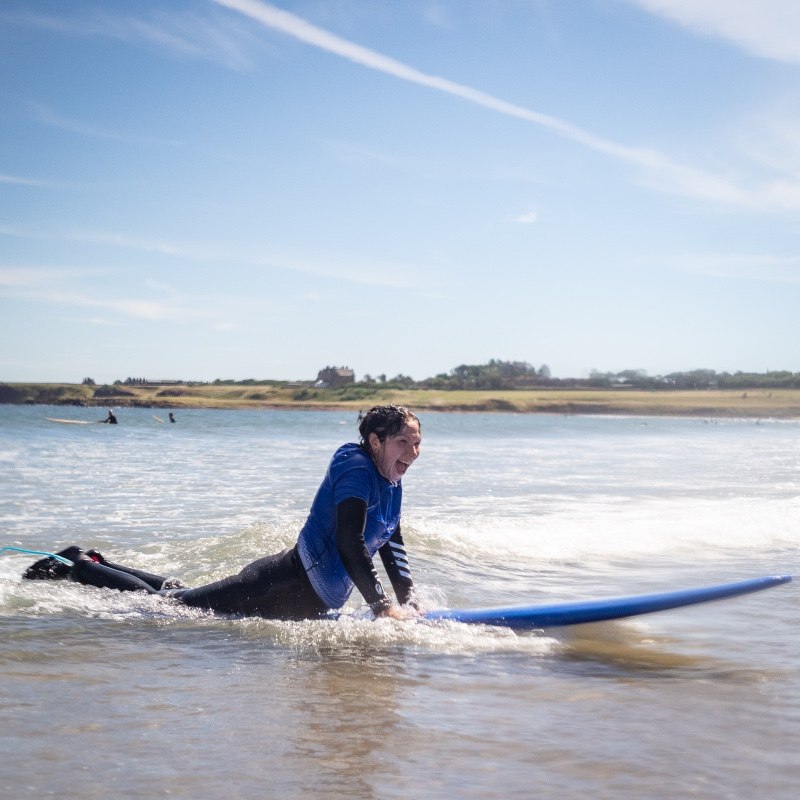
(51, 569)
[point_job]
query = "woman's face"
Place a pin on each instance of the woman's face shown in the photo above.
(395, 454)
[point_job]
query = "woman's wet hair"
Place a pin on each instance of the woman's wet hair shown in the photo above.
(384, 421)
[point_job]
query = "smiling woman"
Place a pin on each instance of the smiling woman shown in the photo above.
(355, 514)
(393, 439)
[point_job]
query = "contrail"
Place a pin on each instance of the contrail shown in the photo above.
(673, 176)
(278, 19)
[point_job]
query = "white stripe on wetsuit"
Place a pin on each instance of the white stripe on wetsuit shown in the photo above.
(401, 559)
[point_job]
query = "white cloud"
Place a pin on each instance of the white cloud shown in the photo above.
(361, 270)
(772, 138)
(192, 252)
(528, 218)
(18, 180)
(140, 309)
(357, 269)
(179, 34)
(437, 15)
(47, 285)
(40, 276)
(160, 286)
(47, 116)
(760, 267)
(765, 28)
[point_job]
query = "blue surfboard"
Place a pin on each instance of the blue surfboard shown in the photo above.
(557, 615)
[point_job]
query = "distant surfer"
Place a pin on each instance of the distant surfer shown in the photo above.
(171, 417)
(110, 419)
(354, 515)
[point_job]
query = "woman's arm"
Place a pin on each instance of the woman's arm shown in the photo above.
(351, 520)
(395, 560)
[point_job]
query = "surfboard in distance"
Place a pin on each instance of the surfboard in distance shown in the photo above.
(70, 421)
(558, 615)
(158, 419)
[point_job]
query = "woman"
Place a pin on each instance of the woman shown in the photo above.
(355, 513)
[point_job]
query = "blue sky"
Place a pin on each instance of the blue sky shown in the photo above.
(235, 189)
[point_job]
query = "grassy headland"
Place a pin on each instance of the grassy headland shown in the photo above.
(755, 403)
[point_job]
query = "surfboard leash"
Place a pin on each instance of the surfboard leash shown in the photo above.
(39, 553)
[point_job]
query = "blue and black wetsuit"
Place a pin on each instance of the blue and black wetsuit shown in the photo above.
(355, 514)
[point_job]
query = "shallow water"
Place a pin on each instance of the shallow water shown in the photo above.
(107, 694)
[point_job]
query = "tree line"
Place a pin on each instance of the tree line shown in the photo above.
(697, 379)
(497, 374)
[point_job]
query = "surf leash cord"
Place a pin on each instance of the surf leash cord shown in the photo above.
(39, 553)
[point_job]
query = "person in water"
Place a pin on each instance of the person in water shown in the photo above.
(354, 515)
(110, 418)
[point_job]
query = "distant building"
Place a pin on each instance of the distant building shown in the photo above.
(335, 376)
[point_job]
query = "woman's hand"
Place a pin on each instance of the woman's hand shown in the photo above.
(399, 612)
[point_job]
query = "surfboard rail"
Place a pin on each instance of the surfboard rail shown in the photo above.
(557, 615)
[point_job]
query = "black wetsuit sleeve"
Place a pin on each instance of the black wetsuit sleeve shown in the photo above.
(351, 520)
(395, 560)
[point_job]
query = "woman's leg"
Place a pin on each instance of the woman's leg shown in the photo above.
(154, 581)
(93, 573)
(53, 569)
(275, 587)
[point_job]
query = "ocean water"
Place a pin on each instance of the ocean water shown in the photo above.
(106, 694)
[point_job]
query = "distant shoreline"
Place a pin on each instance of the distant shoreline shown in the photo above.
(755, 403)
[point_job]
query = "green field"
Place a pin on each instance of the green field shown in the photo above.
(756, 403)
